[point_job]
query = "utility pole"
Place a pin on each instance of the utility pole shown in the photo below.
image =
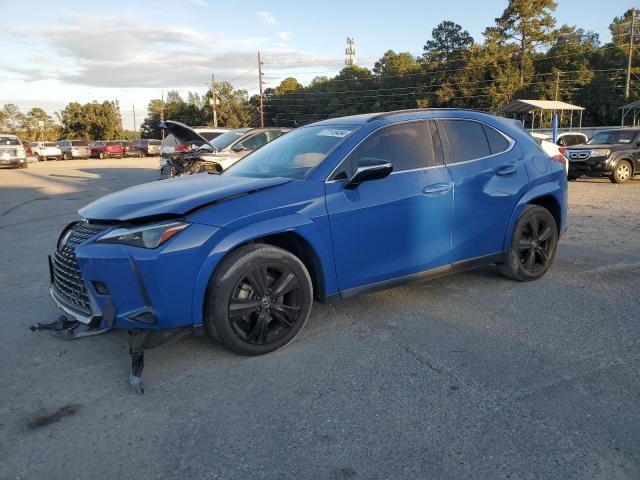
(633, 25)
(557, 84)
(214, 101)
(350, 52)
(260, 83)
(162, 115)
(135, 128)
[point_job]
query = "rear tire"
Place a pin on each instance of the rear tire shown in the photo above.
(533, 245)
(622, 173)
(38, 157)
(101, 155)
(258, 299)
(572, 178)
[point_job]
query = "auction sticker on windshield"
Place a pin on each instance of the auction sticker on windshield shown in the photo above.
(333, 132)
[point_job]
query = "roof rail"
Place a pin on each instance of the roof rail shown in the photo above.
(396, 112)
(430, 109)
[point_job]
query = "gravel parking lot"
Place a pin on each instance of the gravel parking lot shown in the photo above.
(472, 376)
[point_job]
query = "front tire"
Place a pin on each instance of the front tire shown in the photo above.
(572, 178)
(258, 299)
(533, 245)
(101, 155)
(622, 173)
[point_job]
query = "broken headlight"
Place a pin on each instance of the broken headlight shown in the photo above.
(148, 236)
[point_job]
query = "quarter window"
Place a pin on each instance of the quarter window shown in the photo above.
(407, 146)
(497, 142)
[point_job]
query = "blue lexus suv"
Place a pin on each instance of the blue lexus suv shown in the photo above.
(330, 210)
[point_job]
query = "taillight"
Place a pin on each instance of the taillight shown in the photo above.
(560, 158)
(181, 148)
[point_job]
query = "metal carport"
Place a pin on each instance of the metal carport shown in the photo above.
(630, 107)
(522, 108)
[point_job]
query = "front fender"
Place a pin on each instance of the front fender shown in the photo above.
(301, 225)
(554, 188)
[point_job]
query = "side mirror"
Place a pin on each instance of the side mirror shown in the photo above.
(369, 169)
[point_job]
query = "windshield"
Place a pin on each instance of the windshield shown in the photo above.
(613, 137)
(223, 141)
(210, 135)
(9, 141)
(292, 155)
(50, 144)
(79, 143)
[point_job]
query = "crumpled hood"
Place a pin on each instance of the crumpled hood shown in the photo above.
(175, 196)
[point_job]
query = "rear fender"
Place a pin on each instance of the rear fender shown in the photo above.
(553, 188)
(301, 225)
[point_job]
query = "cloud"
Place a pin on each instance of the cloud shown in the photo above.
(284, 36)
(102, 52)
(267, 18)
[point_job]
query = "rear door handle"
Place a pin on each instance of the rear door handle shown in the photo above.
(436, 189)
(506, 170)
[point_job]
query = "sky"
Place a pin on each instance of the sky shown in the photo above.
(55, 52)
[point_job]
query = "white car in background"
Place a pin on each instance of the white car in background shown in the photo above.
(45, 150)
(550, 148)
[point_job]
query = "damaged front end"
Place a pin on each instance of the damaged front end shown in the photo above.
(180, 164)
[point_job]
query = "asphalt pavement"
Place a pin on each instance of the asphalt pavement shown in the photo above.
(472, 376)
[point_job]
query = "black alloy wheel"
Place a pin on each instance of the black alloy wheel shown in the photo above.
(265, 304)
(258, 299)
(533, 245)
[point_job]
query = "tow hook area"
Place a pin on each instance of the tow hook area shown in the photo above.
(66, 329)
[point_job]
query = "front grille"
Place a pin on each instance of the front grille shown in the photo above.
(579, 154)
(66, 273)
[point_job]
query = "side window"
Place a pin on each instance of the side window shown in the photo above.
(497, 142)
(565, 141)
(467, 140)
(407, 146)
(256, 141)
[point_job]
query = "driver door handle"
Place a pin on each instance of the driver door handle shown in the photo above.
(436, 189)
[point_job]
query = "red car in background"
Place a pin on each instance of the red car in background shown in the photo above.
(105, 149)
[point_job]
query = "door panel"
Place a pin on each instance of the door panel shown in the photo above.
(390, 228)
(486, 191)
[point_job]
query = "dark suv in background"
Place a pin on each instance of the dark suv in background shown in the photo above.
(612, 153)
(149, 146)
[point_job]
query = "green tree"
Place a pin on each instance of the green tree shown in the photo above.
(30, 128)
(528, 23)
(11, 119)
(448, 42)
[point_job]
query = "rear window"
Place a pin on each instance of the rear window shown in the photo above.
(113, 144)
(9, 141)
(50, 144)
(79, 143)
(154, 142)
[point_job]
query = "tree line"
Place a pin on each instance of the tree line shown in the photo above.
(524, 54)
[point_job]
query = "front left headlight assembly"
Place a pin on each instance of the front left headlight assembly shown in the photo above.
(600, 152)
(148, 236)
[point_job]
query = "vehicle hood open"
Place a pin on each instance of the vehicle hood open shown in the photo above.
(173, 197)
(184, 133)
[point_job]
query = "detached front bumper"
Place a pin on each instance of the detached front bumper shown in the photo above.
(147, 288)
